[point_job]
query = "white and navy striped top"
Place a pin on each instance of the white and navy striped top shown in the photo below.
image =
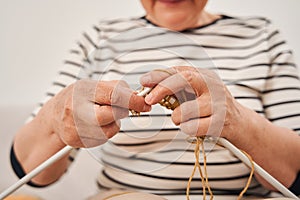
(150, 153)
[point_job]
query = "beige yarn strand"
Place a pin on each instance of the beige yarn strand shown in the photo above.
(204, 178)
(250, 176)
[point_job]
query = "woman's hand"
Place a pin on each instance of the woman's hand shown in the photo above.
(213, 111)
(87, 113)
(84, 114)
(210, 108)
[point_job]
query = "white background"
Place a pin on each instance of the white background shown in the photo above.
(35, 36)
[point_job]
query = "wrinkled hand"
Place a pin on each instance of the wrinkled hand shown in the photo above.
(211, 111)
(87, 113)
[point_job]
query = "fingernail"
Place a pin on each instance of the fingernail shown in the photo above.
(145, 79)
(148, 98)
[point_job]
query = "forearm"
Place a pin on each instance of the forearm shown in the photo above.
(33, 144)
(274, 148)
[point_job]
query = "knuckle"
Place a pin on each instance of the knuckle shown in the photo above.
(187, 75)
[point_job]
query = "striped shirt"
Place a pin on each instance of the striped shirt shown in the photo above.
(150, 153)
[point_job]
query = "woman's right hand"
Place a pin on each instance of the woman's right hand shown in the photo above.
(87, 113)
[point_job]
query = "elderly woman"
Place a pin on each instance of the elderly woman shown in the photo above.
(245, 88)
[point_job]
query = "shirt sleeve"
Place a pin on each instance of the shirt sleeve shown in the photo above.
(18, 169)
(281, 95)
(295, 187)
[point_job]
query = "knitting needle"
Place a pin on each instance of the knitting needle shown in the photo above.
(276, 184)
(36, 171)
(144, 92)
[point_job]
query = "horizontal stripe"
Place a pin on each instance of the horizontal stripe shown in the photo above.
(178, 57)
(280, 103)
(88, 38)
(297, 129)
(177, 178)
(263, 78)
(281, 89)
(232, 191)
(145, 143)
(74, 63)
(284, 117)
(59, 84)
(115, 50)
(150, 115)
(119, 30)
(244, 37)
(244, 25)
(247, 97)
(116, 21)
(116, 40)
(148, 160)
(75, 51)
(236, 68)
(74, 76)
(50, 94)
(280, 54)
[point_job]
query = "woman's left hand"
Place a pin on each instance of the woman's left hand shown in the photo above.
(212, 110)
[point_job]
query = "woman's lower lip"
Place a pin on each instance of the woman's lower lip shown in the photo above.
(171, 1)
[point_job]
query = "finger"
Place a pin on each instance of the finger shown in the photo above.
(138, 103)
(110, 93)
(96, 135)
(200, 107)
(108, 114)
(154, 77)
(112, 129)
(196, 127)
(185, 80)
(212, 126)
(128, 99)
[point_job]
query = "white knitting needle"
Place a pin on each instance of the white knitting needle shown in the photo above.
(144, 92)
(276, 184)
(36, 171)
